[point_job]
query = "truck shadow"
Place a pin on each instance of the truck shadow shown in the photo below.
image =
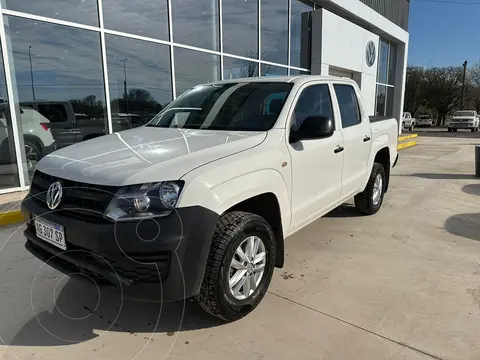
(439, 176)
(465, 225)
(80, 314)
(344, 211)
(472, 189)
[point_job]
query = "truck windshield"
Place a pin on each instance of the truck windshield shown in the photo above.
(238, 106)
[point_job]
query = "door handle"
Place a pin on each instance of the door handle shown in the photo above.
(338, 149)
(366, 138)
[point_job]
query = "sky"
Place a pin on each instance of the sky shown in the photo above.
(443, 34)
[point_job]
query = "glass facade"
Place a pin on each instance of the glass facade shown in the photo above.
(385, 78)
(78, 72)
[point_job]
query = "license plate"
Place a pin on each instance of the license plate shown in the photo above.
(51, 233)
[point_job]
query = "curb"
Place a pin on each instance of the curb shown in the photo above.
(406, 145)
(406, 137)
(11, 217)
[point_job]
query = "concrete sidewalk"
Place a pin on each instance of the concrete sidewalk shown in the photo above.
(402, 284)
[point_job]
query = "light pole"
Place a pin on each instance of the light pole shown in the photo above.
(125, 83)
(31, 71)
(463, 84)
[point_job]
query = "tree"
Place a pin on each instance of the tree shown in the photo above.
(443, 89)
(414, 89)
(473, 78)
(89, 105)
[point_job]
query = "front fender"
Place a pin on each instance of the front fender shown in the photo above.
(223, 196)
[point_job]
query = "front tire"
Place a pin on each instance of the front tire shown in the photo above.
(412, 127)
(370, 200)
(239, 267)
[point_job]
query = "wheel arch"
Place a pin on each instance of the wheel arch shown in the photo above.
(383, 157)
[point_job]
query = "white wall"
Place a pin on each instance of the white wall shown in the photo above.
(343, 45)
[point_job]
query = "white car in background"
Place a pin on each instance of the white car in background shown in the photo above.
(464, 119)
(37, 138)
(408, 122)
(425, 120)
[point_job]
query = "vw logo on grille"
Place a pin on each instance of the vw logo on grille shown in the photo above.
(54, 195)
(370, 53)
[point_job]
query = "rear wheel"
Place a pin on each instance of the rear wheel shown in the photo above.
(450, 129)
(412, 127)
(239, 267)
(403, 125)
(370, 200)
(454, 130)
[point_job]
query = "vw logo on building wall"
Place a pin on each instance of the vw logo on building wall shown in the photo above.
(54, 195)
(370, 53)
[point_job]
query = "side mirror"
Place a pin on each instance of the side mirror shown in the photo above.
(313, 127)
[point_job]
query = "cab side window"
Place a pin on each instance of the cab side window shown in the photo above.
(348, 104)
(313, 101)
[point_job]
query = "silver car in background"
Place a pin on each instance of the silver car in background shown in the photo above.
(464, 119)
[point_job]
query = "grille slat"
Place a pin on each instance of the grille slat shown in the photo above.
(82, 200)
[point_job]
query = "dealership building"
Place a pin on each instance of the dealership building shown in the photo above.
(76, 69)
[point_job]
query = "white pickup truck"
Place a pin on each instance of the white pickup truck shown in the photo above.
(198, 202)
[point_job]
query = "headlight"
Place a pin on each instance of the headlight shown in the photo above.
(137, 202)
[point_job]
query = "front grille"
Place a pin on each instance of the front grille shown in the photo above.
(81, 200)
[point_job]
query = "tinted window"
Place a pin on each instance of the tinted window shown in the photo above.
(392, 64)
(347, 102)
(53, 112)
(383, 63)
(59, 70)
(196, 23)
(239, 68)
(274, 30)
(234, 106)
(270, 70)
(145, 18)
(79, 11)
(313, 101)
(381, 100)
(139, 78)
(240, 27)
(194, 67)
(300, 33)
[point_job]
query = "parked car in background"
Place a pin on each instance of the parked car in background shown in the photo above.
(425, 120)
(226, 171)
(408, 122)
(66, 126)
(464, 119)
(37, 137)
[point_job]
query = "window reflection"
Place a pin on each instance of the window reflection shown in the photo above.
(274, 30)
(392, 64)
(79, 11)
(299, 72)
(63, 89)
(383, 62)
(196, 23)
(239, 68)
(140, 17)
(8, 167)
(240, 27)
(270, 70)
(300, 33)
(140, 80)
(381, 98)
(193, 68)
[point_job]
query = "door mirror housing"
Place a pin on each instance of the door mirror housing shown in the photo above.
(313, 127)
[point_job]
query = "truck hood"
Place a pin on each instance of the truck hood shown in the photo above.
(145, 154)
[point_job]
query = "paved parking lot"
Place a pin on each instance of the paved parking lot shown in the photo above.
(403, 284)
(443, 132)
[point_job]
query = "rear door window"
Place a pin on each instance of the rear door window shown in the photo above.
(348, 104)
(53, 112)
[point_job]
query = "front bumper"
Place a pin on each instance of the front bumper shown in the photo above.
(161, 258)
(461, 126)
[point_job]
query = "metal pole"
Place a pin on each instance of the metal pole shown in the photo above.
(31, 71)
(463, 84)
(125, 84)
